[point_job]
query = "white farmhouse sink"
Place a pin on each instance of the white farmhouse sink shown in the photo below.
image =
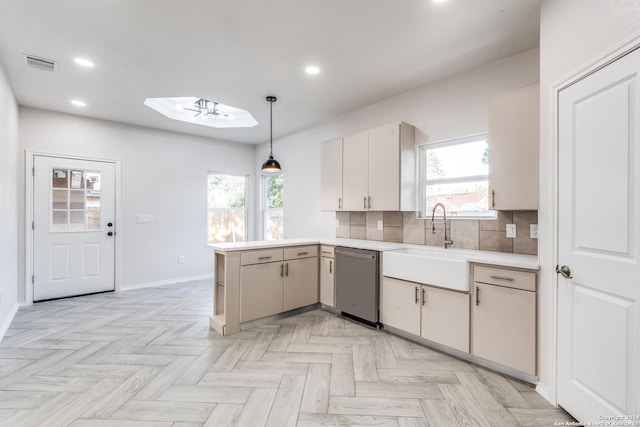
(437, 267)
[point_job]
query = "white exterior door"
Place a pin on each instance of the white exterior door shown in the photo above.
(73, 227)
(598, 240)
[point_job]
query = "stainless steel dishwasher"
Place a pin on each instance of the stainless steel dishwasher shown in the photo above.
(358, 283)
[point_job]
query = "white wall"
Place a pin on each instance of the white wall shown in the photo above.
(453, 107)
(573, 34)
(8, 204)
(163, 173)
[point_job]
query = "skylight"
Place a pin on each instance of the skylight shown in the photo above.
(201, 111)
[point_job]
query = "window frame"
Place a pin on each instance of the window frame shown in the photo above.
(245, 208)
(264, 210)
(423, 182)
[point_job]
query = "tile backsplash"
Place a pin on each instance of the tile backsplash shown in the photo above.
(404, 227)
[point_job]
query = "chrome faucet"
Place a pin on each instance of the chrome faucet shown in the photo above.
(445, 242)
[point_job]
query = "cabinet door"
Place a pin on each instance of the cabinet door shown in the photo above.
(331, 175)
(300, 283)
(355, 171)
(514, 139)
(260, 290)
(504, 326)
(384, 168)
(445, 317)
(327, 281)
(400, 305)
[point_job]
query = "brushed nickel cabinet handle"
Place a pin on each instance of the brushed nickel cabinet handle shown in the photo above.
(508, 279)
(339, 202)
(365, 202)
(369, 203)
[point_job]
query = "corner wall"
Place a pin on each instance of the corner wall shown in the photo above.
(8, 204)
(452, 107)
(573, 34)
(162, 173)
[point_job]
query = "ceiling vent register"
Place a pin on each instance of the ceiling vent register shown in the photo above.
(41, 64)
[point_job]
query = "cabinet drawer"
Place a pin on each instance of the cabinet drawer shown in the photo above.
(301, 252)
(258, 257)
(327, 251)
(502, 277)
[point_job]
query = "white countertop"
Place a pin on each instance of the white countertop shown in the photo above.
(484, 257)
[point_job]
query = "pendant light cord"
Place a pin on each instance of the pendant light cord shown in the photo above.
(271, 128)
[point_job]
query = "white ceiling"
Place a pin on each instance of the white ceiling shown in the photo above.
(239, 51)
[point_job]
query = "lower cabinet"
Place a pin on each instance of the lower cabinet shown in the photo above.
(300, 283)
(327, 276)
(503, 317)
(436, 314)
(277, 280)
(261, 290)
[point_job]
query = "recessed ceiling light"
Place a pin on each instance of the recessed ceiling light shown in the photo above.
(84, 62)
(439, 1)
(312, 69)
(78, 103)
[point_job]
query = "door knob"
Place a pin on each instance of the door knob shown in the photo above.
(565, 271)
(110, 233)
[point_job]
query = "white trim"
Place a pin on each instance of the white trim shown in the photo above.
(599, 62)
(7, 322)
(28, 235)
(125, 288)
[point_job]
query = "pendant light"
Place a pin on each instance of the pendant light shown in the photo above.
(271, 165)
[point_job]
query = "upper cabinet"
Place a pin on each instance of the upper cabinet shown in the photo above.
(377, 170)
(514, 139)
(331, 175)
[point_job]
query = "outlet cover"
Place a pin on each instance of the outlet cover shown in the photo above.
(380, 225)
(511, 231)
(533, 231)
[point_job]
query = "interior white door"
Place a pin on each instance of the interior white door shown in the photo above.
(598, 242)
(73, 227)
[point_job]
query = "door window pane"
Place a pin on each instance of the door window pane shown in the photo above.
(75, 201)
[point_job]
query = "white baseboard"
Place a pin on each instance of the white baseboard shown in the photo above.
(124, 288)
(542, 391)
(8, 320)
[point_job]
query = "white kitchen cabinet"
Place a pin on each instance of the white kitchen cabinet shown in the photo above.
(514, 139)
(331, 175)
(378, 169)
(327, 275)
(503, 317)
(436, 314)
(355, 171)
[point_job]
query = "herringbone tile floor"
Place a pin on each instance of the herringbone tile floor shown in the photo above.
(148, 358)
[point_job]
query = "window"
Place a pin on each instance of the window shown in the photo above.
(227, 208)
(455, 173)
(272, 202)
(75, 200)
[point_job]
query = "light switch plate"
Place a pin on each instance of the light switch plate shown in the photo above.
(380, 225)
(511, 231)
(144, 219)
(533, 231)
